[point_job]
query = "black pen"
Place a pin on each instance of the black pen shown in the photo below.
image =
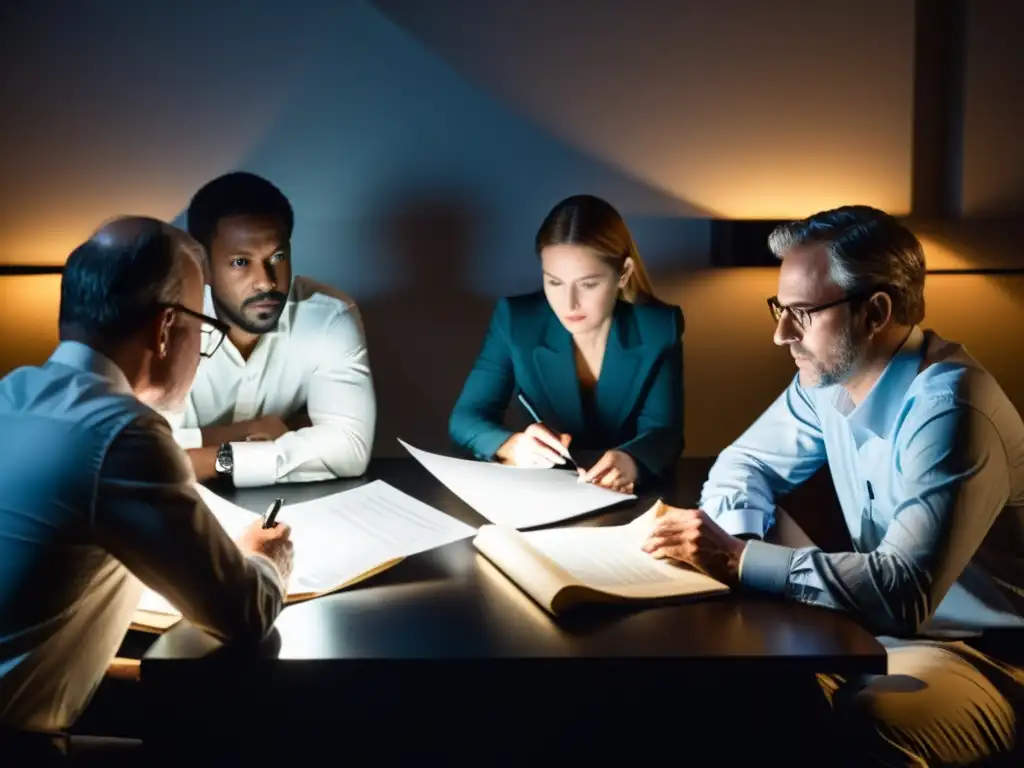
(269, 519)
(529, 408)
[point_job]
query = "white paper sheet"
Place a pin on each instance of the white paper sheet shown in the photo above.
(515, 497)
(339, 537)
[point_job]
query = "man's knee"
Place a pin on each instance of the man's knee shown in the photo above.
(903, 720)
(874, 731)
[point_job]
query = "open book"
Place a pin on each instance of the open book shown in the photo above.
(562, 567)
(339, 540)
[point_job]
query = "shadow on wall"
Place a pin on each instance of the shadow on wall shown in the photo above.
(425, 333)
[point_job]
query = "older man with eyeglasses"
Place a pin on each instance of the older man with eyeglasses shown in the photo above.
(927, 456)
(99, 501)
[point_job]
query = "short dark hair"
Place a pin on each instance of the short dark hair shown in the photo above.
(235, 194)
(108, 287)
(867, 249)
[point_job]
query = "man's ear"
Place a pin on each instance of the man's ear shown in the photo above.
(164, 323)
(878, 312)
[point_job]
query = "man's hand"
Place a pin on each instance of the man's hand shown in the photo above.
(274, 543)
(615, 470)
(690, 536)
(264, 428)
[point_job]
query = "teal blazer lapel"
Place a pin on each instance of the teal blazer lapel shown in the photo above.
(555, 362)
(623, 369)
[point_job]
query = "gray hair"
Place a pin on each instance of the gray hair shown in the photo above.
(122, 274)
(868, 250)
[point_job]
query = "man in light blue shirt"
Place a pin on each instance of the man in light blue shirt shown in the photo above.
(927, 456)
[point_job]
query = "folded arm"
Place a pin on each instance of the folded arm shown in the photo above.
(954, 479)
(148, 515)
(341, 408)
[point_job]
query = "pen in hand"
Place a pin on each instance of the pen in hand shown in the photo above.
(270, 517)
(536, 418)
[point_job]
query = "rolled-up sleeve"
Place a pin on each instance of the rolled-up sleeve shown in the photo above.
(149, 516)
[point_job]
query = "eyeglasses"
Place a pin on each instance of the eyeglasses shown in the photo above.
(802, 315)
(213, 330)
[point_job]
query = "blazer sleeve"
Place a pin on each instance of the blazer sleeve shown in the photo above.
(476, 424)
(659, 440)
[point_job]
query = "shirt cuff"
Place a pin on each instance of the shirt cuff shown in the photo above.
(188, 438)
(255, 463)
(765, 567)
(738, 521)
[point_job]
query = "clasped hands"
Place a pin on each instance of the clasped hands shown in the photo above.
(539, 447)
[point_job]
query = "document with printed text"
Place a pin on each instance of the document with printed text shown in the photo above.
(339, 539)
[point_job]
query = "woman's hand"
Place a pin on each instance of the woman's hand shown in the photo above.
(536, 447)
(616, 470)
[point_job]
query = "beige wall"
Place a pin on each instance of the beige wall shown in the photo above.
(732, 368)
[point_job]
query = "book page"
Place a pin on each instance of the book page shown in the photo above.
(598, 557)
(342, 537)
(506, 548)
(515, 497)
(610, 560)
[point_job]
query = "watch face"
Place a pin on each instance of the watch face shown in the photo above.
(225, 460)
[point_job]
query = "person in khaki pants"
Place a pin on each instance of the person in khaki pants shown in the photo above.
(927, 456)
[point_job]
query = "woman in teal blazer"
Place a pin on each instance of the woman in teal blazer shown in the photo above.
(596, 356)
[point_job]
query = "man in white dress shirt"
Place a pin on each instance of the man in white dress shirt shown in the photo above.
(98, 500)
(288, 397)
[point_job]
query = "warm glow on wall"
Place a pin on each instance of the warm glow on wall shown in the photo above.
(28, 313)
(46, 233)
(938, 255)
(775, 188)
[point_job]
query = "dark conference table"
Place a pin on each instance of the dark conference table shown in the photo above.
(445, 635)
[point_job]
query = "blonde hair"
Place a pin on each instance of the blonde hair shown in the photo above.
(592, 222)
